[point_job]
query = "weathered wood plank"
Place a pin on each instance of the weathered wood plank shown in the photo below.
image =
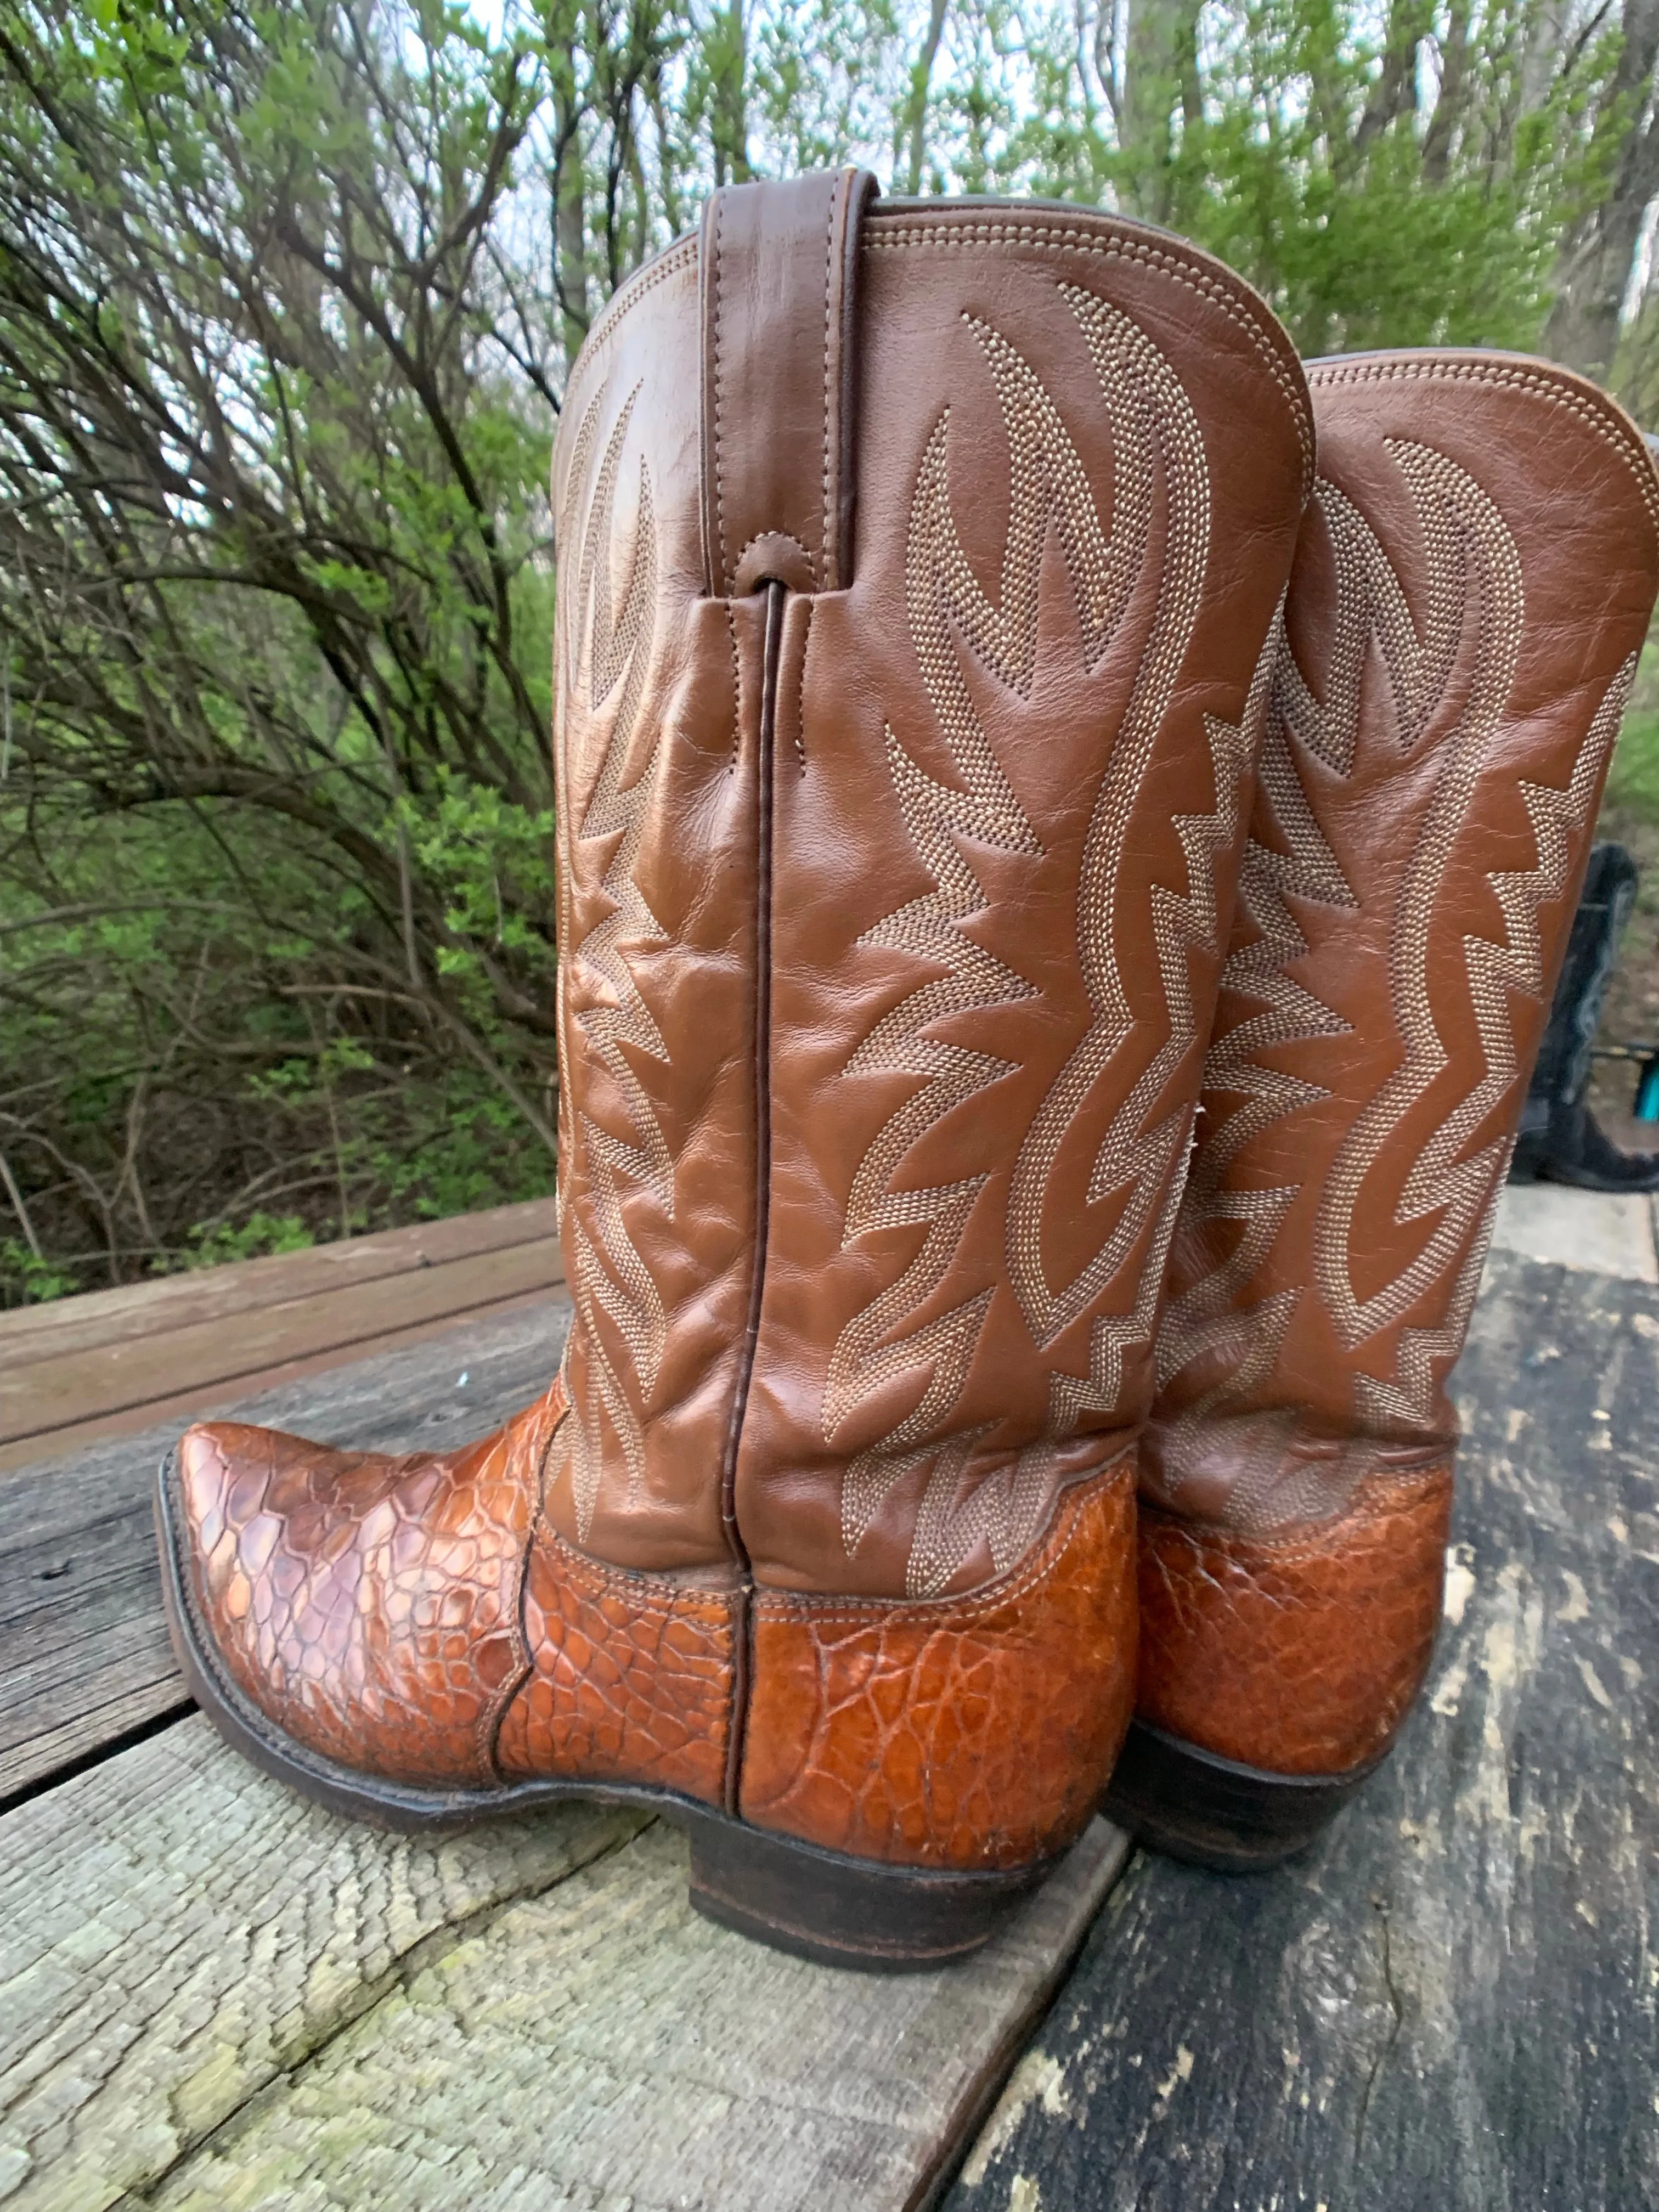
(1450, 2002)
(52, 1391)
(178, 1930)
(177, 1408)
(194, 1957)
(83, 1649)
(149, 1308)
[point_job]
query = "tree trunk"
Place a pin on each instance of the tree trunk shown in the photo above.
(1595, 263)
(1395, 92)
(915, 116)
(1449, 103)
(1160, 63)
(569, 182)
(729, 122)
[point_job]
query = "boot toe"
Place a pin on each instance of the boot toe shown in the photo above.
(365, 1607)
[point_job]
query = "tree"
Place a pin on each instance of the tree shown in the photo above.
(289, 291)
(1598, 250)
(275, 419)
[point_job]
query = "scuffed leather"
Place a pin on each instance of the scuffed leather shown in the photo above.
(914, 1412)
(969, 1733)
(1312, 1648)
(632, 1679)
(876, 1079)
(1473, 584)
(779, 266)
(368, 1605)
(655, 762)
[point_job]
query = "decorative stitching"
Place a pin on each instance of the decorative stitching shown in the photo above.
(635, 1590)
(1153, 417)
(1367, 1508)
(719, 310)
(800, 701)
(670, 263)
(890, 233)
(789, 538)
(1207, 1317)
(618, 657)
(1609, 423)
(944, 597)
(737, 691)
(821, 575)
(954, 1609)
(1470, 552)
(1153, 428)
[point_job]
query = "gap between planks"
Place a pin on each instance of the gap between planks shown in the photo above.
(84, 1656)
(216, 1994)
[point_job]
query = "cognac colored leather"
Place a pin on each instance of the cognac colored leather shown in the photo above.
(1471, 591)
(920, 566)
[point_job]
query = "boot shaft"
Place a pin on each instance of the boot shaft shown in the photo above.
(1470, 598)
(918, 565)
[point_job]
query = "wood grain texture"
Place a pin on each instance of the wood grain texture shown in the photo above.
(151, 1308)
(1450, 2002)
(44, 1391)
(83, 1649)
(179, 1931)
(594, 2044)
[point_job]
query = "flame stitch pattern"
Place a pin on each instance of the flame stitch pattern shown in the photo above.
(1153, 432)
(605, 653)
(1471, 553)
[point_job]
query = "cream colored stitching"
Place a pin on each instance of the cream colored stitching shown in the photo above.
(821, 569)
(1205, 1537)
(618, 655)
(1558, 820)
(955, 1609)
(737, 691)
(635, 1591)
(800, 699)
(1206, 1319)
(789, 538)
(1469, 549)
(1058, 237)
(1608, 423)
(725, 572)
(1153, 415)
(1152, 423)
(673, 260)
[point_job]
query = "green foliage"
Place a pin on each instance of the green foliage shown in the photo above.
(1633, 778)
(287, 291)
(27, 1279)
(261, 1233)
(275, 611)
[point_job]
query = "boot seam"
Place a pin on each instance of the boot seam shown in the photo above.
(950, 1608)
(493, 1718)
(1299, 1547)
(771, 670)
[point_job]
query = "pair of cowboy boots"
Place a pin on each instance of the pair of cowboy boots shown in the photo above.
(936, 601)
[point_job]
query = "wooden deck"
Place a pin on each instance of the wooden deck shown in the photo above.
(213, 1995)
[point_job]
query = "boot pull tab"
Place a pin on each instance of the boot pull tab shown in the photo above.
(779, 269)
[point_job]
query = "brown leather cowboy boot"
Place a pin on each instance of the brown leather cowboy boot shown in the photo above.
(1470, 594)
(916, 570)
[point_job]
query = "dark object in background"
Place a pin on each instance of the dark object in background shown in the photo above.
(1561, 1141)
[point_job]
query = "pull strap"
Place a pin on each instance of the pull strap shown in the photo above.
(778, 270)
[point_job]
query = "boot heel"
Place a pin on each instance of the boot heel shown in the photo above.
(1193, 1805)
(845, 1911)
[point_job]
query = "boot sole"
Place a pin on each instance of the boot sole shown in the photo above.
(821, 1905)
(1212, 1811)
